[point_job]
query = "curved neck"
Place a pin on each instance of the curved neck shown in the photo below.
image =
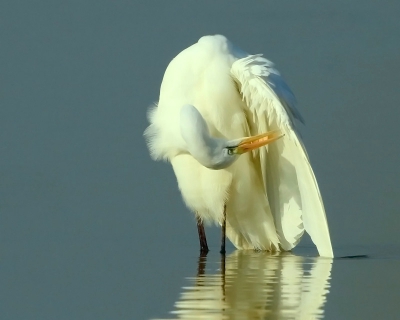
(199, 143)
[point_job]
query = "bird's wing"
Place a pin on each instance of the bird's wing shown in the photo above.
(290, 184)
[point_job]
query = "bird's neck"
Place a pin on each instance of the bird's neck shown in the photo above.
(206, 149)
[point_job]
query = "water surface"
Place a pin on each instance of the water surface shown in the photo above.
(259, 285)
(256, 285)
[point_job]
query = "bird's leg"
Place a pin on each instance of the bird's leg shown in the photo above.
(202, 237)
(223, 233)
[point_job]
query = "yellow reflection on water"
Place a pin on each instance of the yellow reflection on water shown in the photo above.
(256, 285)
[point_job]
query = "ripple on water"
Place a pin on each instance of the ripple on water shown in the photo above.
(256, 285)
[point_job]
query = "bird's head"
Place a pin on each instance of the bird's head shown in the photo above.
(225, 152)
(217, 153)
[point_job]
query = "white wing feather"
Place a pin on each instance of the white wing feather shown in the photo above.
(289, 180)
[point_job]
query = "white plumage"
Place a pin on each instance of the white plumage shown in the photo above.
(213, 95)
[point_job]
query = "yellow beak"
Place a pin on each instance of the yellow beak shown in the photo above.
(258, 141)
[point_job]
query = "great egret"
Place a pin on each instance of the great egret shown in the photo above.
(216, 103)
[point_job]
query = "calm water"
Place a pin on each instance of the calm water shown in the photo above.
(257, 285)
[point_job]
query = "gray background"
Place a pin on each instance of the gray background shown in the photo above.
(90, 227)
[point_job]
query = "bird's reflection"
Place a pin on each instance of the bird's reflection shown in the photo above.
(256, 285)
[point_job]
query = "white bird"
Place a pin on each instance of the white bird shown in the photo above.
(216, 103)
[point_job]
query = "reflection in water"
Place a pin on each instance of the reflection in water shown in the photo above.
(257, 285)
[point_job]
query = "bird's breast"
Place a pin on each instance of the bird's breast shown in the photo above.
(204, 190)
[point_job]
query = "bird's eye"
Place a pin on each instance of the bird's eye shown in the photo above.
(230, 152)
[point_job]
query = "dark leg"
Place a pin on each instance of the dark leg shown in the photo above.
(223, 276)
(202, 237)
(201, 267)
(223, 234)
